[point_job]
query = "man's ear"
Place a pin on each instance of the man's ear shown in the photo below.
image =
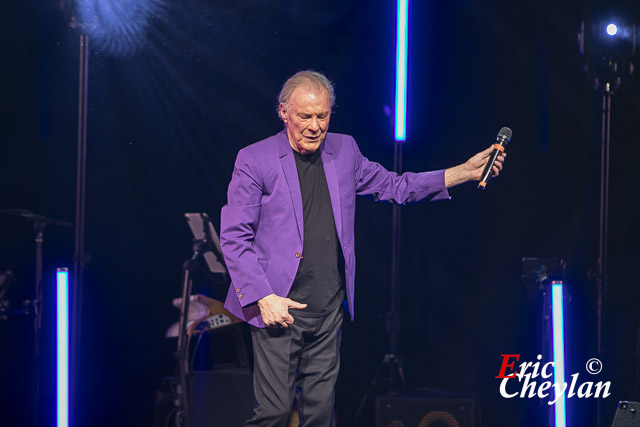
(283, 113)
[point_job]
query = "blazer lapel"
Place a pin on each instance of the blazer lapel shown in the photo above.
(291, 175)
(332, 182)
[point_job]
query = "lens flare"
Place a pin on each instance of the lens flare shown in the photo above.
(118, 27)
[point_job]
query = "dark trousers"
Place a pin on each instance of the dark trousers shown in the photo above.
(300, 361)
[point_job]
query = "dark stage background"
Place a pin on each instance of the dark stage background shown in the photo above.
(179, 88)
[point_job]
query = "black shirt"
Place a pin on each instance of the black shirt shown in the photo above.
(319, 281)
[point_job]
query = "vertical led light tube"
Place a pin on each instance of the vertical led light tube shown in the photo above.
(62, 328)
(558, 350)
(401, 70)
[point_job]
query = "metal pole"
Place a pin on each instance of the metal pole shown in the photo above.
(183, 343)
(396, 223)
(602, 278)
(79, 258)
(37, 326)
(396, 378)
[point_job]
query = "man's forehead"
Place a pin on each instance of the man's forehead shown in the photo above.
(310, 92)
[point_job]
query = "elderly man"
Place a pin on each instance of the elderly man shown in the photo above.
(287, 235)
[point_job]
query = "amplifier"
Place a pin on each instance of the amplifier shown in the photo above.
(425, 410)
(221, 398)
(218, 398)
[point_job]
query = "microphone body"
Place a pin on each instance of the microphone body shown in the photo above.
(503, 138)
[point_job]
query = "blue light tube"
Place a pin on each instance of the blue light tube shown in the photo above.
(401, 70)
(62, 316)
(558, 351)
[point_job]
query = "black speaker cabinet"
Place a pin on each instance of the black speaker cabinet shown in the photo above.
(221, 398)
(422, 410)
(627, 415)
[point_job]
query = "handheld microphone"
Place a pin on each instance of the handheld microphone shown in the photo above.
(503, 138)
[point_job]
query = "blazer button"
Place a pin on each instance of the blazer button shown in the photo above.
(240, 296)
(238, 290)
(297, 254)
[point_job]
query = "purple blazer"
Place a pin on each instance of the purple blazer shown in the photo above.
(261, 227)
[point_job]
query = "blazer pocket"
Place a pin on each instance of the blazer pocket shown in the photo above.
(264, 262)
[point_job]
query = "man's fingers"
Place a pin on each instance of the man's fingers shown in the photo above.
(271, 323)
(294, 304)
(284, 321)
(276, 314)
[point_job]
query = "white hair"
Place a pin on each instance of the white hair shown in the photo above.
(302, 78)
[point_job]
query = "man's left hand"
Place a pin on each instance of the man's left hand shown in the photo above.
(476, 164)
(472, 169)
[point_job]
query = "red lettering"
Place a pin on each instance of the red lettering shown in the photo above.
(505, 365)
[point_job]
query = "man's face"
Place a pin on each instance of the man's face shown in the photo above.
(307, 118)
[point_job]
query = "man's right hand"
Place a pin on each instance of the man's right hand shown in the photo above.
(275, 310)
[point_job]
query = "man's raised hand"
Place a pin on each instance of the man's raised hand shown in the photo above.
(471, 170)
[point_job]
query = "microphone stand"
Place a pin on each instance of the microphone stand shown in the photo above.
(601, 276)
(200, 246)
(391, 362)
(601, 272)
(80, 257)
(395, 378)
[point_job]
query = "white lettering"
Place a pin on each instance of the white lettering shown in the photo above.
(536, 366)
(544, 370)
(503, 389)
(585, 393)
(531, 388)
(523, 369)
(600, 386)
(574, 379)
(544, 386)
(557, 393)
(528, 385)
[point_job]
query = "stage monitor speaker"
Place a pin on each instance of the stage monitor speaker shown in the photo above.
(221, 398)
(627, 415)
(422, 410)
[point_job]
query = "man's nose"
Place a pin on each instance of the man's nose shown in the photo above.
(314, 125)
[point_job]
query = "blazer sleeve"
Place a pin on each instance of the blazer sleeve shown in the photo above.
(382, 185)
(239, 221)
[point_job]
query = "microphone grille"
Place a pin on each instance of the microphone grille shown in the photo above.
(506, 132)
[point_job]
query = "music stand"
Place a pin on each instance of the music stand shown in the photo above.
(206, 245)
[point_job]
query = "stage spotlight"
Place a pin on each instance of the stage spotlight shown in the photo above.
(118, 27)
(609, 48)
